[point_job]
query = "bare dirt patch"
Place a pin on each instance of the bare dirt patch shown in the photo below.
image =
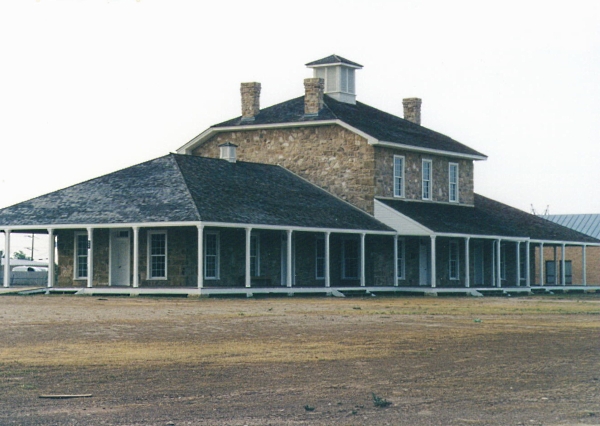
(438, 361)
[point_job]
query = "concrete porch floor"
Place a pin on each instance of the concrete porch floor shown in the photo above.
(291, 291)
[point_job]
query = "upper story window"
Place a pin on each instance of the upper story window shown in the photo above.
(453, 182)
(398, 176)
(157, 255)
(426, 179)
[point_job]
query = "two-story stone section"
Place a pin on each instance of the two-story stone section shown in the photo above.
(350, 149)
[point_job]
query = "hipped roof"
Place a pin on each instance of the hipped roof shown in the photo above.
(486, 218)
(185, 188)
(372, 121)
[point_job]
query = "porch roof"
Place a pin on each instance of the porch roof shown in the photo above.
(185, 188)
(486, 217)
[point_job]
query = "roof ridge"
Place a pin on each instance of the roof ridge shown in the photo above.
(185, 181)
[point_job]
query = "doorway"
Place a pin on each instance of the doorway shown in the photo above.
(119, 257)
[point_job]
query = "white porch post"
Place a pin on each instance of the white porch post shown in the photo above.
(556, 276)
(541, 263)
(433, 262)
(518, 263)
(200, 256)
(248, 239)
(498, 263)
(563, 272)
(289, 258)
(50, 257)
(583, 264)
(395, 260)
(467, 264)
(493, 268)
(527, 264)
(362, 260)
(7, 258)
(90, 257)
(327, 260)
(136, 256)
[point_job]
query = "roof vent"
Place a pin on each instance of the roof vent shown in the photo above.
(228, 152)
(338, 74)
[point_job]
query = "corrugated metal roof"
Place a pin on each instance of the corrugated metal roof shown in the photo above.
(585, 223)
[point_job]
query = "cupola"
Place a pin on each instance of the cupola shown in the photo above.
(338, 74)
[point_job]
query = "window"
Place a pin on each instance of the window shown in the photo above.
(81, 255)
(350, 259)
(211, 255)
(398, 176)
(401, 259)
(502, 261)
(157, 255)
(453, 268)
(426, 181)
(254, 256)
(453, 179)
(320, 258)
(551, 268)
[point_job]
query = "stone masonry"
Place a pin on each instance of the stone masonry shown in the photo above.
(412, 109)
(313, 100)
(384, 175)
(250, 100)
(331, 157)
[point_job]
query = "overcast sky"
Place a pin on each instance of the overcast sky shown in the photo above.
(90, 87)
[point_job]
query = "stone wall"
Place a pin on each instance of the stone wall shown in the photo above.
(65, 243)
(330, 157)
(384, 175)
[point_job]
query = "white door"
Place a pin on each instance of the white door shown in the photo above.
(478, 263)
(424, 276)
(119, 257)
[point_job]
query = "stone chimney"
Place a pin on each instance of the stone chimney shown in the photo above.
(250, 100)
(412, 109)
(228, 152)
(313, 96)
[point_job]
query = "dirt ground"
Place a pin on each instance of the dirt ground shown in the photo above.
(296, 361)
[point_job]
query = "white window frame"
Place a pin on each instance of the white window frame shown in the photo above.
(150, 255)
(255, 258)
(319, 257)
(217, 255)
(427, 179)
(80, 259)
(503, 262)
(399, 176)
(453, 261)
(401, 260)
(453, 186)
(344, 258)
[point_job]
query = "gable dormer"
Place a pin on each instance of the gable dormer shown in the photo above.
(338, 73)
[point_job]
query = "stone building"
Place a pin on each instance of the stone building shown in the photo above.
(318, 193)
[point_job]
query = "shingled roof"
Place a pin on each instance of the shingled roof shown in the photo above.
(332, 60)
(486, 217)
(184, 188)
(378, 124)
